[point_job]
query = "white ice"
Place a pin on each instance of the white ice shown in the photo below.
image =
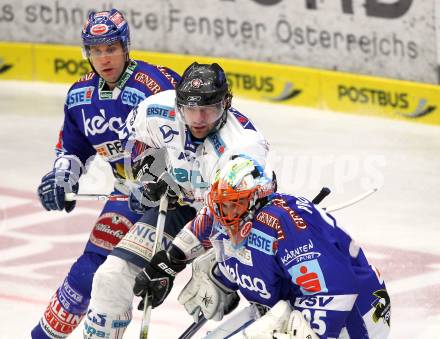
(398, 226)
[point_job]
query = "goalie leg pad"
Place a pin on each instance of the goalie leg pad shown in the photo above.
(274, 320)
(235, 324)
(297, 328)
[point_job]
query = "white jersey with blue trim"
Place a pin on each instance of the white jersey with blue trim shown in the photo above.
(155, 123)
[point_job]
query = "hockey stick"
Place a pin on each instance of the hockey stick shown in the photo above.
(160, 225)
(321, 195)
(351, 202)
(115, 197)
(100, 197)
(193, 328)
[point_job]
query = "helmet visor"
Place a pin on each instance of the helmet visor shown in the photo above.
(194, 115)
(103, 50)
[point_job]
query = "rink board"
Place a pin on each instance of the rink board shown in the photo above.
(299, 86)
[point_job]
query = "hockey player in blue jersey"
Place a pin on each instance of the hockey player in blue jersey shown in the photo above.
(96, 107)
(287, 257)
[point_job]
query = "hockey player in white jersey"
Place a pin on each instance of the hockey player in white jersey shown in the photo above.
(198, 129)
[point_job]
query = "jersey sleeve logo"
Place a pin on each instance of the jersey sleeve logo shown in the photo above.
(160, 111)
(382, 307)
(110, 150)
(271, 221)
(132, 96)
(261, 241)
(87, 77)
(300, 253)
(167, 75)
(308, 275)
(80, 96)
(298, 221)
(218, 143)
(244, 121)
(168, 133)
(148, 82)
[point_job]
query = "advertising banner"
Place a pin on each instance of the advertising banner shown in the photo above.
(16, 61)
(364, 95)
(292, 85)
(387, 38)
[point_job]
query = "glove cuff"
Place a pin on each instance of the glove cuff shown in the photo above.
(166, 264)
(69, 163)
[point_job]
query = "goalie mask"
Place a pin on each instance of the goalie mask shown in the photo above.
(238, 190)
(203, 98)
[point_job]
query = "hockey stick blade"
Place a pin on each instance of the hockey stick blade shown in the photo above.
(351, 202)
(193, 328)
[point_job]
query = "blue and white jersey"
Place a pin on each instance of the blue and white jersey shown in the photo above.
(155, 124)
(296, 252)
(93, 114)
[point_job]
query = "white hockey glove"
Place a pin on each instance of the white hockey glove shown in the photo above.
(205, 294)
(282, 323)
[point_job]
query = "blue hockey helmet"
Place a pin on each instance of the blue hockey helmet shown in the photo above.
(106, 27)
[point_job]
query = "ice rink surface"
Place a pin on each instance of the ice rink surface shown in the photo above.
(398, 226)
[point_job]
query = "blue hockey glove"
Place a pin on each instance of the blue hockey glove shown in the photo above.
(62, 179)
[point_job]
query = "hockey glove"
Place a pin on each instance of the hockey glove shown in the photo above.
(156, 279)
(148, 195)
(204, 294)
(53, 187)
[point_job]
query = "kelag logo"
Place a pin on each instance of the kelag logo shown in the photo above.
(270, 88)
(72, 67)
(4, 67)
(379, 97)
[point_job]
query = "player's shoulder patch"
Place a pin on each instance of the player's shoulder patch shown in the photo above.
(298, 221)
(242, 119)
(86, 77)
(79, 96)
(272, 221)
(263, 242)
(148, 80)
(218, 143)
(168, 75)
(161, 111)
(160, 74)
(132, 96)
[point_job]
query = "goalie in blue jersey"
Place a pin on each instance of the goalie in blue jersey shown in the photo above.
(303, 275)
